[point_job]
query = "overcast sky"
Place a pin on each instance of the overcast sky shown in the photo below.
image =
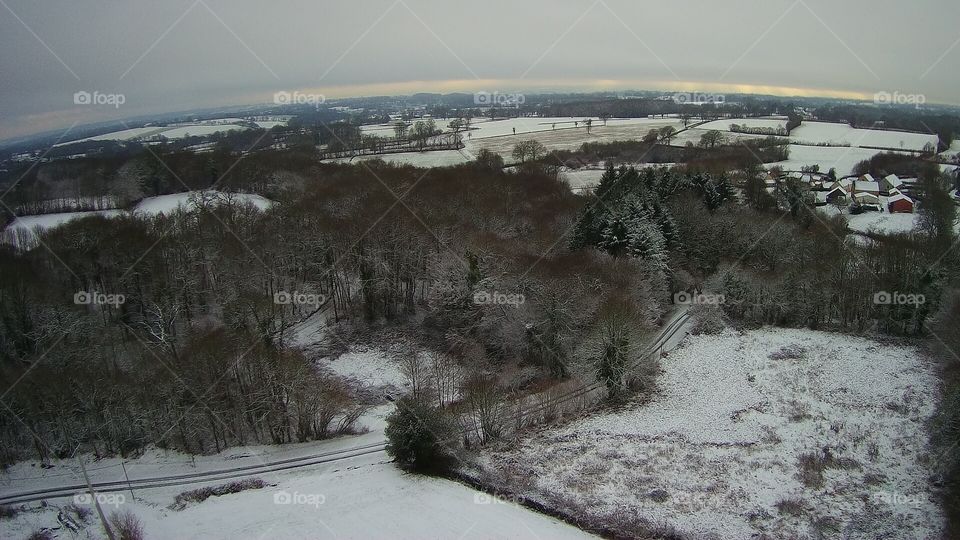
(172, 55)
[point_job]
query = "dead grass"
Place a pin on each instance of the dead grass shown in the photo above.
(792, 506)
(789, 352)
(199, 495)
(811, 466)
(126, 526)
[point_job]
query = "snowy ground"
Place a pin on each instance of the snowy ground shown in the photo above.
(882, 222)
(122, 135)
(587, 178)
(165, 204)
(24, 228)
(482, 128)
(693, 135)
(439, 158)
(834, 133)
(841, 158)
(363, 497)
(199, 130)
(788, 433)
(360, 497)
(565, 136)
(724, 125)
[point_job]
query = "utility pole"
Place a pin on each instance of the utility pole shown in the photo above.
(96, 501)
(124, 465)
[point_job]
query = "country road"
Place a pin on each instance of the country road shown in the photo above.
(664, 338)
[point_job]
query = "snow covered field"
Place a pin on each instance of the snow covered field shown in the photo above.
(833, 133)
(841, 158)
(123, 135)
(438, 158)
(23, 228)
(482, 128)
(358, 497)
(882, 222)
(568, 138)
(199, 131)
(164, 204)
(769, 123)
(776, 432)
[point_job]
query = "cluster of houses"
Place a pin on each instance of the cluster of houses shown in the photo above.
(869, 194)
(859, 193)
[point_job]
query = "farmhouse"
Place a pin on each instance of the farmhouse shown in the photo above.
(890, 182)
(899, 203)
(868, 201)
(836, 195)
(865, 184)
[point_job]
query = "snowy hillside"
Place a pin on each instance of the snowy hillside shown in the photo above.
(786, 433)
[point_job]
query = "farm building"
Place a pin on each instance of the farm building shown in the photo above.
(889, 183)
(863, 185)
(867, 200)
(836, 195)
(899, 203)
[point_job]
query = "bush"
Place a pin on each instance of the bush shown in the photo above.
(708, 319)
(126, 526)
(41, 534)
(420, 437)
(204, 493)
(7, 512)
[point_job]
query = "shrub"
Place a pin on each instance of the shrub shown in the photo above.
(708, 319)
(40, 534)
(126, 526)
(81, 512)
(204, 493)
(7, 512)
(420, 437)
(792, 506)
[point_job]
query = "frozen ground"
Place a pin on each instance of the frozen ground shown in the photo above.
(784, 433)
(174, 132)
(24, 228)
(567, 137)
(269, 124)
(360, 497)
(123, 135)
(587, 178)
(165, 204)
(833, 133)
(882, 222)
(694, 134)
(199, 130)
(839, 157)
(724, 125)
(439, 158)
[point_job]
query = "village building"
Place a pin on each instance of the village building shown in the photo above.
(899, 203)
